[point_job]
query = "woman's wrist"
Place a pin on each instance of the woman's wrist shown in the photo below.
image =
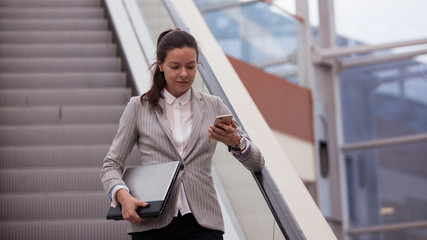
(121, 195)
(237, 142)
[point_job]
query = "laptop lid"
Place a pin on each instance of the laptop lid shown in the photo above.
(152, 184)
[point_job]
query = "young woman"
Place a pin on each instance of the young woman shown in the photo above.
(173, 122)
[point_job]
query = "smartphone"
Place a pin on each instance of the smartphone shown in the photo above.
(226, 119)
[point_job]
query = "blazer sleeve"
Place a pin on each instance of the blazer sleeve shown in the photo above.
(251, 158)
(124, 141)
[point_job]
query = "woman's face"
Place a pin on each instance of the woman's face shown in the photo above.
(179, 69)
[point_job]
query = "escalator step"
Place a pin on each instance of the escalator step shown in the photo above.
(57, 135)
(64, 97)
(58, 50)
(49, 37)
(50, 25)
(34, 180)
(73, 229)
(50, 3)
(60, 115)
(45, 206)
(63, 80)
(59, 156)
(20, 65)
(44, 13)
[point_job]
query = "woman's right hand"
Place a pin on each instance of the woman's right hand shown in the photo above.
(129, 206)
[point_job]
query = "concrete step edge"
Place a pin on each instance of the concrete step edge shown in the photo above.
(11, 116)
(50, 179)
(55, 37)
(49, 59)
(73, 90)
(57, 25)
(49, 13)
(57, 51)
(59, 45)
(41, 32)
(50, 3)
(59, 156)
(51, 205)
(64, 97)
(85, 80)
(59, 135)
(49, 21)
(60, 65)
(71, 229)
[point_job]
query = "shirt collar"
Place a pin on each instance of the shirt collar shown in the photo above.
(183, 99)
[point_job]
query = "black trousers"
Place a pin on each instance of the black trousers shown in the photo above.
(181, 228)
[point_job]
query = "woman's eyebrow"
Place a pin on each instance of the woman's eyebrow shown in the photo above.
(173, 62)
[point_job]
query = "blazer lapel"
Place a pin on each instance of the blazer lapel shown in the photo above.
(197, 105)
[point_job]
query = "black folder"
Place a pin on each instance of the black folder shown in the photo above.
(152, 184)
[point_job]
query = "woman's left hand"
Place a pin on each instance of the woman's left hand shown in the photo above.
(226, 134)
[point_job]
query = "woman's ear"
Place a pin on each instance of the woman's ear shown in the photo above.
(160, 66)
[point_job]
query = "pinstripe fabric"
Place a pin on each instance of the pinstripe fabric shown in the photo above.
(143, 126)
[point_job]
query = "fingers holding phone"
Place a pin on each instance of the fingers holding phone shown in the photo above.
(224, 130)
(215, 128)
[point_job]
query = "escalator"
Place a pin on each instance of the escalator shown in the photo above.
(67, 70)
(62, 93)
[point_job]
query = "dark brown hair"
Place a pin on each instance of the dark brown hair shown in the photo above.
(168, 40)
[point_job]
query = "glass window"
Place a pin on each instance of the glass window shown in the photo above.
(384, 100)
(411, 234)
(288, 71)
(206, 4)
(387, 185)
(257, 33)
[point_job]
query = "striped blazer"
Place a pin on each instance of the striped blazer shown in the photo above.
(140, 124)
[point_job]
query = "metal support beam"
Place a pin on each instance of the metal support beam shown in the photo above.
(330, 56)
(305, 71)
(326, 100)
(385, 142)
(273, 62)
(369, 60)
(321, 54)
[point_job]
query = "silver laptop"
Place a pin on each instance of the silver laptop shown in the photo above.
(152, 184)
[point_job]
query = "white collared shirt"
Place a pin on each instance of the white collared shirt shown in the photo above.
(179, 114)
